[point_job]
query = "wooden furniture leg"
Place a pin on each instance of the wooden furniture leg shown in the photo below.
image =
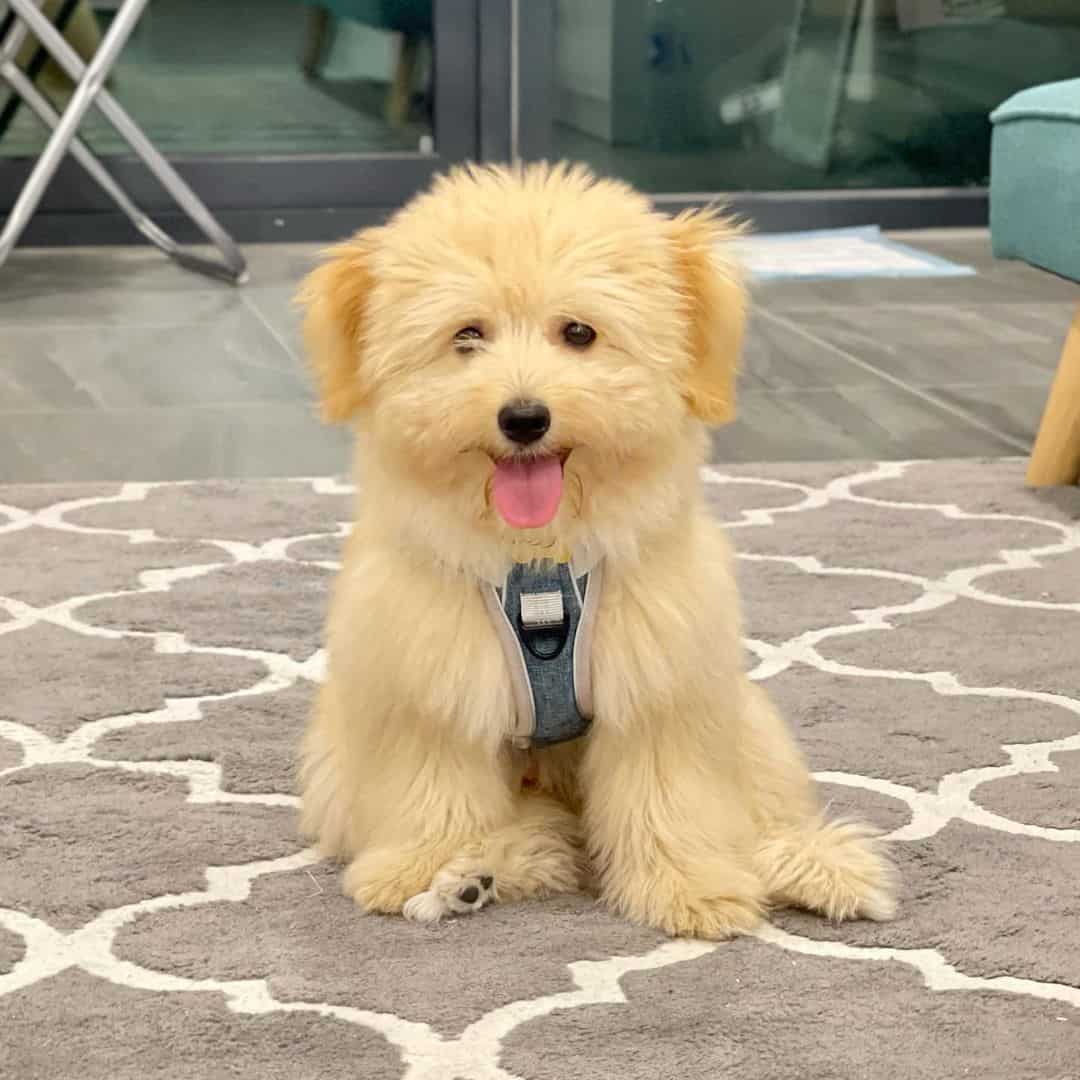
(399, 96)
(318, 36)
(1056, 457)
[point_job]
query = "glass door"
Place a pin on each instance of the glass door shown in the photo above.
(802, 112)
(294, 119)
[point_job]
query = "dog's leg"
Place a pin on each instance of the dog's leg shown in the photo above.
(538, 854)
(835, 868)
(672, 847)
(397, 802)
(426, 801)
(324, 804)
(401, 863)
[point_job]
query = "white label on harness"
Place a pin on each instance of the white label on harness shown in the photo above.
(542, 609)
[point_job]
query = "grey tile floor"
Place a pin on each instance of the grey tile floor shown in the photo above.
(115, 365)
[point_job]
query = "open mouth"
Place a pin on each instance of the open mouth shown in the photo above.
(527, 491)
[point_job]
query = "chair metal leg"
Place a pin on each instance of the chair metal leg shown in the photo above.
(89, 79)
(13, 33)
(37, 61)
(89, 83)
(81, 152)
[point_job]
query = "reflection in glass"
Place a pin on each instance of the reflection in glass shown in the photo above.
(726, 95)
(249, 77)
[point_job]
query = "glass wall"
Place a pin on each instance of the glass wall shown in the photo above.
(774, 95)
(321, 107)
(253, 77)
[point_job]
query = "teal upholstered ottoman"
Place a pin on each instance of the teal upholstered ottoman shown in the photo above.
(1035, 216)
(1035, 178)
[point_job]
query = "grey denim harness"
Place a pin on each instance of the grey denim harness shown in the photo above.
(544, 617)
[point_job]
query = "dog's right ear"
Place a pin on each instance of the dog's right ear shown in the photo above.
(715, 311)
(335, 298)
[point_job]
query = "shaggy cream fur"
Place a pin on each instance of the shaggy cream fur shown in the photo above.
(688, 806)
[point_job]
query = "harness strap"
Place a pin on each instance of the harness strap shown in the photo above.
(544, 618)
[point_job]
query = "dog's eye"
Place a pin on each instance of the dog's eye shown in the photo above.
(467, 338)
(578, 334)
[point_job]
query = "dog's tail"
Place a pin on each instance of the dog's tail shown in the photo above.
(836, 868)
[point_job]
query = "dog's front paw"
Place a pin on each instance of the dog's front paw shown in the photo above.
(714, 918)
(716, 906)
(452, 893)
(839, 869)
(381, 881)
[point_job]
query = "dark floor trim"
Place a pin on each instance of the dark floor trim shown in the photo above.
(769, 212)
(273, 226)
(900, 208)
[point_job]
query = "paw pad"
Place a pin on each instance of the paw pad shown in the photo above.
(451, 894)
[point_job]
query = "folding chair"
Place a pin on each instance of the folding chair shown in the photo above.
(23, 16)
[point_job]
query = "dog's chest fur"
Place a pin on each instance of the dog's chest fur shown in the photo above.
(411, 640)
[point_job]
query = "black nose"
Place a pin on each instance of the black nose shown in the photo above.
(524, 421)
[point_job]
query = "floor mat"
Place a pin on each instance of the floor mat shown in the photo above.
(159, 648)
(840, 253)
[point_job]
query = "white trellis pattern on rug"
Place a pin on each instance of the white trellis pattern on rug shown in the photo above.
(752, 502)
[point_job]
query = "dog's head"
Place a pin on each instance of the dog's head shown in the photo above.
(529, 349)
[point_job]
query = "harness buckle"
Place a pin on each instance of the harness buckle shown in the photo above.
(543, 623)
(542, 610)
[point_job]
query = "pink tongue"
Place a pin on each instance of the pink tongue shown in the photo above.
(527, 493)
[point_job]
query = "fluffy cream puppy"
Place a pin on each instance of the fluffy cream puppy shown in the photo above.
(529, 359)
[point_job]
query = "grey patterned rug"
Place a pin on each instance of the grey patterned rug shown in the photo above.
(920, 624)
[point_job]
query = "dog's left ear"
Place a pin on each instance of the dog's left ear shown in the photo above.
(335, 298)
(715, 311)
